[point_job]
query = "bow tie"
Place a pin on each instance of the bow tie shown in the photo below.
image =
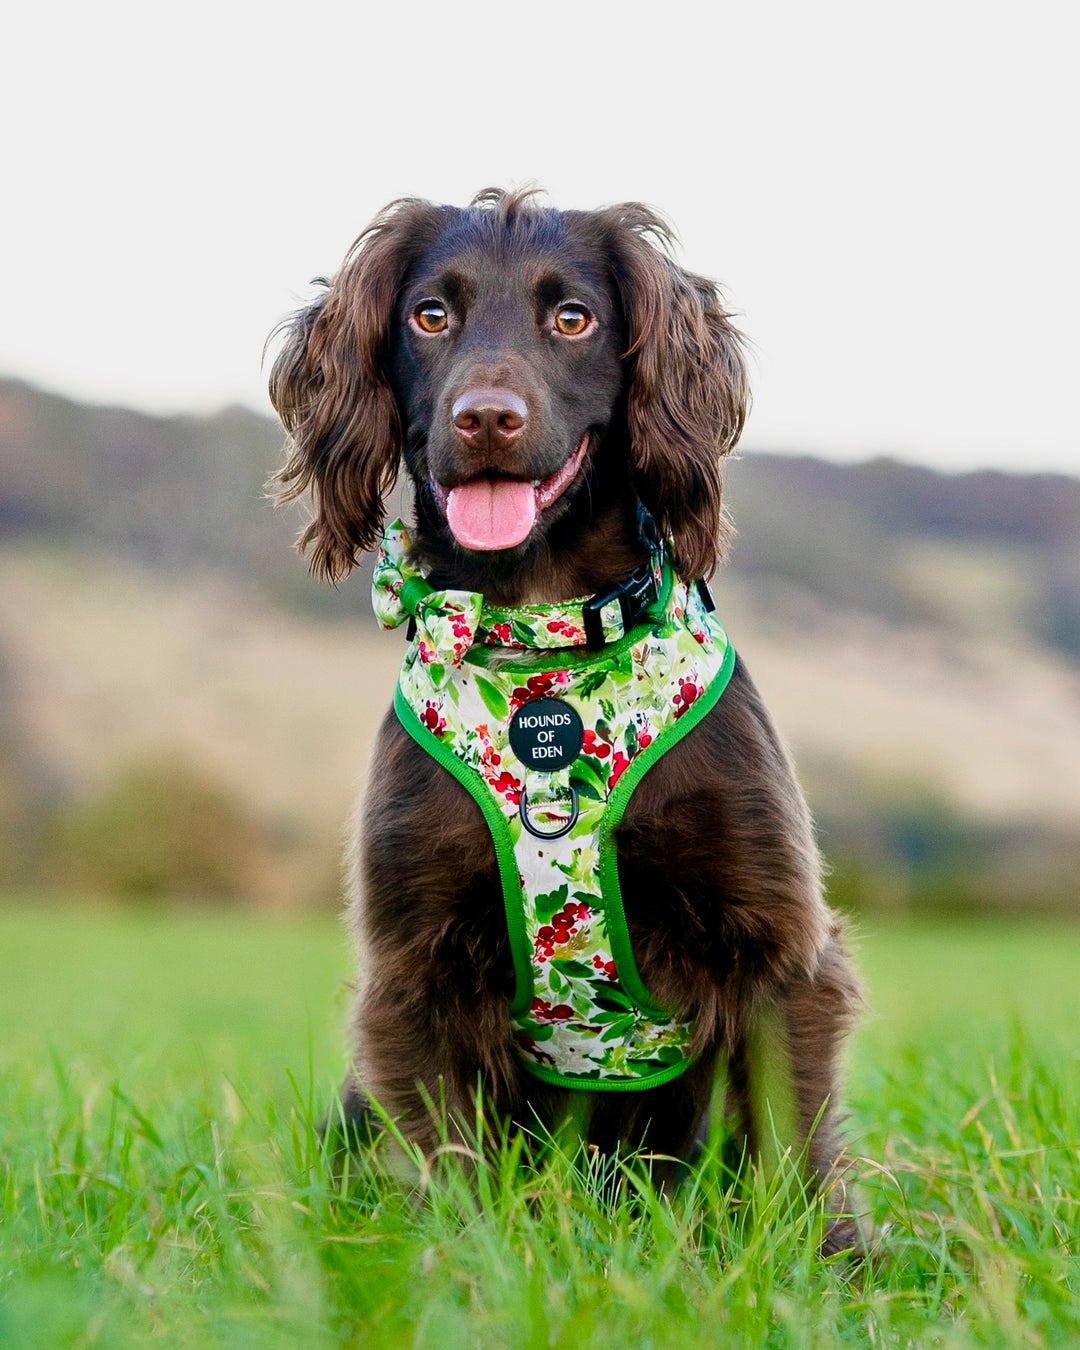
(448, 622)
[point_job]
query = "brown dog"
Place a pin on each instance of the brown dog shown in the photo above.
(552, 379)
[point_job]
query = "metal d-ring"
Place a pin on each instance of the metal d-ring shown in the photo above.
(523, 812)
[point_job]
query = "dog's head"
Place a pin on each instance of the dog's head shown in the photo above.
(534, 367)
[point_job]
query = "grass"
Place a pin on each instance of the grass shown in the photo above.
(161, 1181)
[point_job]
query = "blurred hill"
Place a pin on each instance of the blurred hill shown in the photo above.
(171, 495)
(977, 552)
(916, 634)
(186, 494)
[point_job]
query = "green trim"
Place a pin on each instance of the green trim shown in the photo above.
(616, 805)
(571, 658)
(579, 1083)
(513, 899)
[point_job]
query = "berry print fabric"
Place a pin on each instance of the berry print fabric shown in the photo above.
(581, 1016)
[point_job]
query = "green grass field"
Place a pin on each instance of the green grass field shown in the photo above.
(161, 1182)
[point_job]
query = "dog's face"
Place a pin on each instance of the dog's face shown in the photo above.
(507, 367)
(536, 369)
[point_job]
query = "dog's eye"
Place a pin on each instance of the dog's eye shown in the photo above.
(572, 320)
(430, 316)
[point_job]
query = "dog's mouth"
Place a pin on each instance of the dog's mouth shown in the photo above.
(499, 513)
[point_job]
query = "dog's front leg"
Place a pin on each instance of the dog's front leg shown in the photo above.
(783, 1081)
(423, 1075)
(432, 1022)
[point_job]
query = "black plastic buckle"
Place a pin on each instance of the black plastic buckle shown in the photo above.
(634, 595)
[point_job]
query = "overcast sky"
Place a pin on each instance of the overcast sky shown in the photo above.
(888, 192)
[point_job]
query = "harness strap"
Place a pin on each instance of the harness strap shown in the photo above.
(551, 746)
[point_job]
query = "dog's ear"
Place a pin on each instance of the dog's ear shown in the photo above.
(329, 387)
(688, 392)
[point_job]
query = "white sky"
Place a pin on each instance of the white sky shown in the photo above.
(888, 192)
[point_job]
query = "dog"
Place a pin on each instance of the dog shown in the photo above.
(562, 395)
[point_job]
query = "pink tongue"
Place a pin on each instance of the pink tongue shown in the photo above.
(491, 513)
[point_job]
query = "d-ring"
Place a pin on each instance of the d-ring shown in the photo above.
(523, 812)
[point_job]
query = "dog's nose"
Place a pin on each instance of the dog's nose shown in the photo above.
(489, 419)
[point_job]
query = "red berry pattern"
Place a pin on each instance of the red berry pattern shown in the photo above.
(506, 785)
(432, 719)
(564, 628)
(619, 763)
(536, 686)
(608, 967)
(543, 1011)
(569, 921)
(593, 745)
(688, 692)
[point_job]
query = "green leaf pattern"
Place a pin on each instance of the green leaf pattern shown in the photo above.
(583, 1026)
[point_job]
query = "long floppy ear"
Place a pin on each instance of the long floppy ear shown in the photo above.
(330, 390)
(689, 393)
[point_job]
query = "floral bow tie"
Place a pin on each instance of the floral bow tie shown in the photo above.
(448, 622)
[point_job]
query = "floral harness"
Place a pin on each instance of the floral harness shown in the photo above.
(551, 745)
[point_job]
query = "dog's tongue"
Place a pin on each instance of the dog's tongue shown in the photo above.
(491, 513)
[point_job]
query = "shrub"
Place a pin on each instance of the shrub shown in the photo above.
(162, 828)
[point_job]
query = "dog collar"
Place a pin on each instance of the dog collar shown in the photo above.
(448, 622)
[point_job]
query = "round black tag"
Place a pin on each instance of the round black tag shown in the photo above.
(546, 734)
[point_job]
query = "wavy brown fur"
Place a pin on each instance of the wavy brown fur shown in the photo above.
(688, 392)
(329, 387)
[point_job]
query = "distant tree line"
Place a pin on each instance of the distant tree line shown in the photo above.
(182, 493)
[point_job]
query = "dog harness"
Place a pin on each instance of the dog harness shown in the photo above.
(550, 715)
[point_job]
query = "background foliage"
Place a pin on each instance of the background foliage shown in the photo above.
(917, 636)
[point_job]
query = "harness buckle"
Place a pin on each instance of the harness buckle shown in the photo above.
(634, 595)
